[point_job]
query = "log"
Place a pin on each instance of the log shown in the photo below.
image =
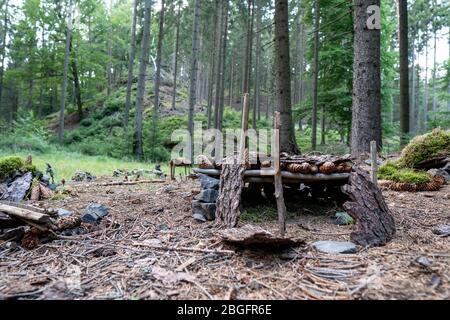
(25, 214)
(374, 222)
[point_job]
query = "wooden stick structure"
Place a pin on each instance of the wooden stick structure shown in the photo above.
(281, 207)
(244, 127)
(374, 164)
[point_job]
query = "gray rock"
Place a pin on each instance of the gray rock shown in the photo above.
(208, 182)
(343, 219)
(335, 246)
(162, 227)
(442, 230)
(199, 217)
(439, 172)
(207, 196)
(423, 261)
(45, 179)
(17, 190)
(94, 213)
(207, 210)
(63, 212)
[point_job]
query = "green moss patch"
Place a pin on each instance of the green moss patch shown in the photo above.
(425, 147)
(393, 172)
(10, 165)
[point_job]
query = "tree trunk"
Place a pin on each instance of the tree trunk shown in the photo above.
(374, 222)
(219, 57)
(109, 64)
(130, 66)
(175, 67)
(322, 126)
(230, 86)
(64, 84)
(157, 76)
(144, 53)
(404, 71)
(316, 75)
(366, 109)
(412, 113)
(425, 88)
(248, 49)
(256, 83)
(193, 74)
(3, 50)
(223, 58)
(434, 101)
(283, 78)
(76, 82)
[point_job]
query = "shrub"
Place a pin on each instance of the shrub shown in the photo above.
(9, 165)
(393, 172)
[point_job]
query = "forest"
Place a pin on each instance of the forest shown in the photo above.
(350, 198)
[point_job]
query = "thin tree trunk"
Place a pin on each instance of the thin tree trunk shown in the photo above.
(224, 56)
(434, 82)
(316, 75)
(248, 49)
(256, 83)
(212, 68)
(283, 78)
(64, 84)
(3, 51)
(366, 109)
(230, 87)
(175, 68)
(404, 70)
(158, 75)
(130, 66)
(412, 113)
(425, 95)
(322, 126)
(193, 74)
(109, 64)
(144, 54)
(76, 81)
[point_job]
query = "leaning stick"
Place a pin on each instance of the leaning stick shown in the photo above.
(281, 207)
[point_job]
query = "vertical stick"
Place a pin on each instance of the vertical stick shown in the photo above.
(374, 167)
(244, 127)
(281, 207)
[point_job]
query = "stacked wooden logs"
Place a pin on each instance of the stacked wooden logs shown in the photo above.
(304, 164)
(325, 164)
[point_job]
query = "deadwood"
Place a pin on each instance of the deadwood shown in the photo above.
(374, 222)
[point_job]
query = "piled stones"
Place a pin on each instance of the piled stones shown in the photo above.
(204, 204)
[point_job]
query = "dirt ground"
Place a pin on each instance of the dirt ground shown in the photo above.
(119, 259)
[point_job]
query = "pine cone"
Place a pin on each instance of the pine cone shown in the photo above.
(204, 162)
(327, 168)
(314, 169)
(67, 223)
(294, 167)
(31, 238)
(35, 193)
(45, 192)
(266, 164)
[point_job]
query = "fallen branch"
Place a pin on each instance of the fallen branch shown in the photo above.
(25, 214)
(126, 183)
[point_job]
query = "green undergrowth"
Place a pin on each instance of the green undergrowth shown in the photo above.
(393, 172)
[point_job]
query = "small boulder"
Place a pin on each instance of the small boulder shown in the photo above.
(335, 247)
(17, 190)
(199, 217)
(208, 196)
(442, 230)
(207, 210)
(94, 212)
(208, 182)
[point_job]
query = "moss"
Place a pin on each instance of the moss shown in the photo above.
(393, 172)
(259, 214)
(9, 165)
(427, 146)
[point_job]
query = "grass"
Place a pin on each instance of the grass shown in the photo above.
(67, 163)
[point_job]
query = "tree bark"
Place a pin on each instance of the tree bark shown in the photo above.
(223, 69)
(374, 222)
(76, 82)
(283, 78)
(157, 76)
(144, 53)
(256, 83)
(366, 109)
(175, 67)
(316, 75)
(130, 66)
(434, 100)
(64, 84)
(109, 64)
(404, 71)
(248, 49)
(193, 73)
(219, 57)
(425, 88)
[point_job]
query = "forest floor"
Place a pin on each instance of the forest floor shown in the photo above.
(119, 260)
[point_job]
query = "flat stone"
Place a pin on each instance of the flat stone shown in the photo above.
(207, 210)
(63, 212)
(343, 219)
(162, 227)
(335, 246)
(208, 196)
(442, 230)
(208, 182)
